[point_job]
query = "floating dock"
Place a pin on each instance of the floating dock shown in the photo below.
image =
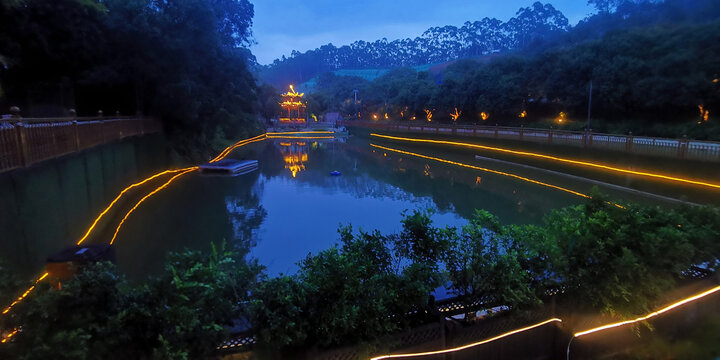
(66, 263)
(229, 167)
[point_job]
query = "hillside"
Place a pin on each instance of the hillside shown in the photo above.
(533, 30)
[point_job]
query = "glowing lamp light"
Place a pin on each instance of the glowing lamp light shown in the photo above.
(293, 93)
(117, 198)
(484, 115)
(481, 169)
(8, 336)
(25, 294)
(704, 113)
(558, 159)
(716, 81)
(468, 346)
(562, 117)
(158, 189)
(375, 117)
(454, 116)
(523, 114)
(428, 115)
(650, 315)
(386, 116)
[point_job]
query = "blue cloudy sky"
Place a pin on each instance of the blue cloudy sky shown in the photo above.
(281, 26)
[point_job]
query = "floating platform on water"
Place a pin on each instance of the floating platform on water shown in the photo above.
(229, 167)
(64, 264)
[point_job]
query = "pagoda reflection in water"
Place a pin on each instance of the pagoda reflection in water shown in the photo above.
(295, 154)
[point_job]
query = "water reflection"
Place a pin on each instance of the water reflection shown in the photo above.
(292, 206)
(295, 154)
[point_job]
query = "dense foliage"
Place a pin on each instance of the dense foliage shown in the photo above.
(648, 81)
(182, 314)
(184, 61)
(533, 29)
(604, 258)
(536, 23)
(358, 291)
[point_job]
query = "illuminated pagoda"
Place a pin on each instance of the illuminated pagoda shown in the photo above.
(293, 108)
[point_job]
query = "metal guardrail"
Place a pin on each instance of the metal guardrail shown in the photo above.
(26, 141)
(656, 146)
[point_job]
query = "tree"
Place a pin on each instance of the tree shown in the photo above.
(486, 263)
(606, 6)
(618, 260)
(184, 313)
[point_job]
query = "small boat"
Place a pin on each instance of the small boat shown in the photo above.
(335, 173)
(229, 167)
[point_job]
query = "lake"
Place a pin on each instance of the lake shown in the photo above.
(291, 206)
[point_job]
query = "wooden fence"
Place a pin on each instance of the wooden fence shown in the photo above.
(677, 148)
(24, 142)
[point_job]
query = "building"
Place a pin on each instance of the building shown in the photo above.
(333, 118)
(293, 108)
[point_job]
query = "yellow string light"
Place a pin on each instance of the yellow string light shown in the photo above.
(102, 214)
(25, 294)
(158, 189)
(238, 144)
(8, 336)
(304, 137)
(299, 133)
(650, 315)
(483, 169)
(554, 158)
(460, 348)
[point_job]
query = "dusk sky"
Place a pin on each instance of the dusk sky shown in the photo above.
(281, 26)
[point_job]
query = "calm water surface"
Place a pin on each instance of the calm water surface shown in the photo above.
(291, 206)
